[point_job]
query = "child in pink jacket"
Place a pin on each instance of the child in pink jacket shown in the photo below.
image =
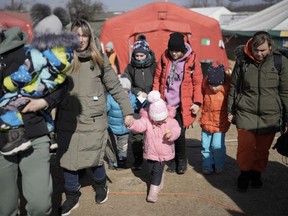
(161, 130)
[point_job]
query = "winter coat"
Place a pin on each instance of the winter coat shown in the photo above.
(141, 75)
(12, 55)
(81, 121)
(263, 96)
(156, 146)
(214, 115)
(115, 117)
(190, 91)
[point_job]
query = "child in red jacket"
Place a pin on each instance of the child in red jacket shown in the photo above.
(214, 120)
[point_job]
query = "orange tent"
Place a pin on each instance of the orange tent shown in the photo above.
(10, 19)
(157, 21)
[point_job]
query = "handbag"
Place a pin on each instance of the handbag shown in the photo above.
(282, 145)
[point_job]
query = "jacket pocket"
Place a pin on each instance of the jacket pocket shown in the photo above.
(96, 104)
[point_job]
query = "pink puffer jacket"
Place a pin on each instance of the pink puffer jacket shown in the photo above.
(156, 145)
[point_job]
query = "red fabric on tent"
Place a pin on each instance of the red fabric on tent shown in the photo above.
(10, 19)
(157, 21)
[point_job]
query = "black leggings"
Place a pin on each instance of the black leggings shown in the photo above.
(155, 169)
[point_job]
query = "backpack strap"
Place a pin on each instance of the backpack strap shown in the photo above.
(277, 62)
(240, 58)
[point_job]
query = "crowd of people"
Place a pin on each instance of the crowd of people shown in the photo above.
(100, 110)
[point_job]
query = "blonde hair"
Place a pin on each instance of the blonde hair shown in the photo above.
(96, 57)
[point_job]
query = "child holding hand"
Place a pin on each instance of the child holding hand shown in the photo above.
(161, 130)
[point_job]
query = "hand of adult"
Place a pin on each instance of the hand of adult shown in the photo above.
(194, 109)
(34, 104)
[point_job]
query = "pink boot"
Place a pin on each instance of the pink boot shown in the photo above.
(161, 183)
(153, 193)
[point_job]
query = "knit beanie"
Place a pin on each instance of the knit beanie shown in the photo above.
(125, 82)
(216, 75)
(46, 22)
(141, 45)
(176, 42)
(157, 108)
(109, 45)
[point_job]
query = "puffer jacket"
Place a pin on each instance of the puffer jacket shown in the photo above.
(156, 146)
(214, 115)
(115, 116)
(263, 96)
(81, 122)
(12, 55)
(191, 87)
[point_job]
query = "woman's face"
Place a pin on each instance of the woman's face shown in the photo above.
(140, 56)
(84, 39)
(176, 54)
(261, 51)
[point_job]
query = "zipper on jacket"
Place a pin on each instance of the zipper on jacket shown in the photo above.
(259, 93)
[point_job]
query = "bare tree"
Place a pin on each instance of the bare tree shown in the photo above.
(83, 9)
(15, 6)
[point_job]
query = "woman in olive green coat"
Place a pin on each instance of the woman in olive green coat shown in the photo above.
(82, 117)
(258, 99)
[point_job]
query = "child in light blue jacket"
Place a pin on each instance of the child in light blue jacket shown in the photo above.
(116, 124)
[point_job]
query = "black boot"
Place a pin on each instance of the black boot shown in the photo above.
(138, 160)
(256, 179)
(171, 166)
(101, 190)
(181, 166)
(243, 181)
(121, 163)
(71, 202)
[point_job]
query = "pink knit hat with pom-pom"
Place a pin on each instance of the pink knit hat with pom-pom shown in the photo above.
(157, 108)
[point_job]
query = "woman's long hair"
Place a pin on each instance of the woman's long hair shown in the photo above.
(95, 55)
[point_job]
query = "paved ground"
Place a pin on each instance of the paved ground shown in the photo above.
(192, 193)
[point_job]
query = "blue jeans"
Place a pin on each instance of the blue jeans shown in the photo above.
(213, 150)
(72, 177)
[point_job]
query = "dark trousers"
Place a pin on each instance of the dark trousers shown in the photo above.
(155, 169)
(137, 147)
(180, 143)
(72, 177)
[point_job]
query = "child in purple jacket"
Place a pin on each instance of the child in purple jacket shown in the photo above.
(161, 130)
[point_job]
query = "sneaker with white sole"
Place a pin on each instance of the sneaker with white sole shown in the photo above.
(101, 189)
(71, 202)
(17, 142)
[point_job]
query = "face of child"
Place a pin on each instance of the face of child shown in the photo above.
(140, 56)
(159, 122)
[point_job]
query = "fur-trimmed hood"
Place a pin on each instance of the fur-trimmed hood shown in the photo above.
(49, 41)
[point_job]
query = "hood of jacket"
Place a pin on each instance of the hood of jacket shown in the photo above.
(49, 41)
(13, 38)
